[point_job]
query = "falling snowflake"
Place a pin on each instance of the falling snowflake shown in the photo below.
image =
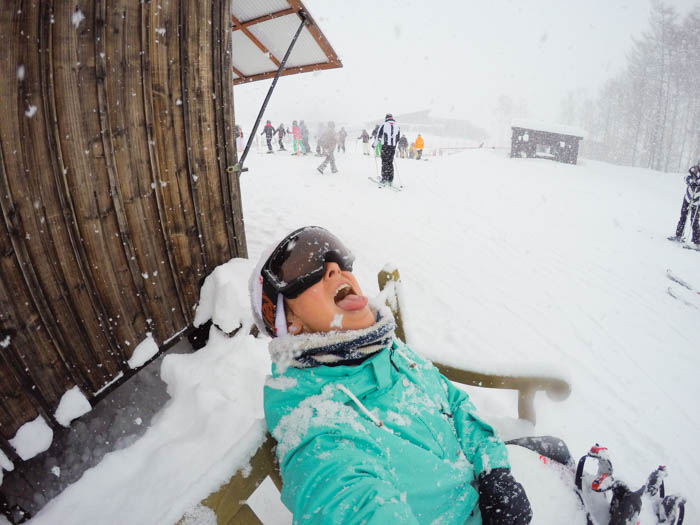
(77, 18)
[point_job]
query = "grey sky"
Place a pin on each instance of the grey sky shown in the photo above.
(455, 57)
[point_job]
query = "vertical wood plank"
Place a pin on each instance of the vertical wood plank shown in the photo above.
(200, 94)
(175, 188)
(148, 34)
(86, 177)
(235, 222)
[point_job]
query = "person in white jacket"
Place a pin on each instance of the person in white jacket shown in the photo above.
(389, 135)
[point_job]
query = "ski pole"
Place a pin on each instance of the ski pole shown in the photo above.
(396, 169)
(693, 218)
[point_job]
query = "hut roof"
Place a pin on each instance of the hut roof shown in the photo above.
(262, 31)
(539, 125)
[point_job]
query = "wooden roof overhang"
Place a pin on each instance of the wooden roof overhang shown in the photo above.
(261, 32)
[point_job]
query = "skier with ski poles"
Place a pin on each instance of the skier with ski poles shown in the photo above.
(268, 131)
(367, 431)
(691, 202)
(389, 135)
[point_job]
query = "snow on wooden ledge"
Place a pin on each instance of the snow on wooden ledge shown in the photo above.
(540, 125)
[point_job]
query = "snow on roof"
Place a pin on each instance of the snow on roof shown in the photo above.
(540, 125)
(262, 32)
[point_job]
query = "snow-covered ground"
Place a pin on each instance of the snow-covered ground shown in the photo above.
(507, 264)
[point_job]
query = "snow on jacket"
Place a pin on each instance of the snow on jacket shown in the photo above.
(268, 131)
(364, 136)
(692, 192)
(389, 133)
(419, 142)
(407, 450)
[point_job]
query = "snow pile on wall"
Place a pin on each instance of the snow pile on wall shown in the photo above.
(73, 404)
(32, 438)
(223, 300)
(5, 464)
(211, 428)
(143, 352)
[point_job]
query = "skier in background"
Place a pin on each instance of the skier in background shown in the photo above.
(419, 146)
(691, 201)
(365, 142)
(319, 140)
(389, 135)
(304, 137)
(403, 147)
(342, 135)
(296, 133)
(268, 131)
(238, 133)
(327, 142)
(376, 144)
(281, 132)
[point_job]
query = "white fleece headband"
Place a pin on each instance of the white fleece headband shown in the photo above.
(255, 291)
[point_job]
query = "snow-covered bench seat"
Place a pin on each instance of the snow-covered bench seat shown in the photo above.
(229, 503)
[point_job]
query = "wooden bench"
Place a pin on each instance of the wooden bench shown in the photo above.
(230, 501)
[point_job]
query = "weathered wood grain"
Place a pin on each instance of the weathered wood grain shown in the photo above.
(115, 200)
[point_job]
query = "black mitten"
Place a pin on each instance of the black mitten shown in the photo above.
(502, 500)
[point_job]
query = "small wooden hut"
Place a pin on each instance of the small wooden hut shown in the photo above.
(549, 141)
(118, 192)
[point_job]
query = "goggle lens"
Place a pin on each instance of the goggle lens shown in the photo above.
(299, 260)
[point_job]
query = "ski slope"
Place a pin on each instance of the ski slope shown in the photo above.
(507, 265)
(527, 264)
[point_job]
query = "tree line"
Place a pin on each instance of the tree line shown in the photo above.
(648, 115)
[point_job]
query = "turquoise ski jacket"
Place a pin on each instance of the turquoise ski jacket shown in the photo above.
(387, 441)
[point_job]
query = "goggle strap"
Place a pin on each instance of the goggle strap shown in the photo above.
(280, 317)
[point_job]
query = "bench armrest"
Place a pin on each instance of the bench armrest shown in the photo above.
(527, 386)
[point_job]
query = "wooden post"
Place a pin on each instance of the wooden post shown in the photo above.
(392, 300)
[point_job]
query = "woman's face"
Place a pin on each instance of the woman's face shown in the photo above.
(334, 303)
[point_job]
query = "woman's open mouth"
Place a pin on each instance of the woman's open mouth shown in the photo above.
(347, 299)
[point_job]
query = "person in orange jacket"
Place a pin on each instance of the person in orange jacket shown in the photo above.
(419, 146)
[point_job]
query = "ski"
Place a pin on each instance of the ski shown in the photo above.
(673, 294)
(676, 279)
(382, 185)
(681, 241)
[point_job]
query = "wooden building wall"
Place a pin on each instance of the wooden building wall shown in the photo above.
(116, 131)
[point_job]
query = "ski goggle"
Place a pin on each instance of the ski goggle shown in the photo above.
(299, 261)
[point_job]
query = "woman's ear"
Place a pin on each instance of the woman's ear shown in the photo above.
(295, 326)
